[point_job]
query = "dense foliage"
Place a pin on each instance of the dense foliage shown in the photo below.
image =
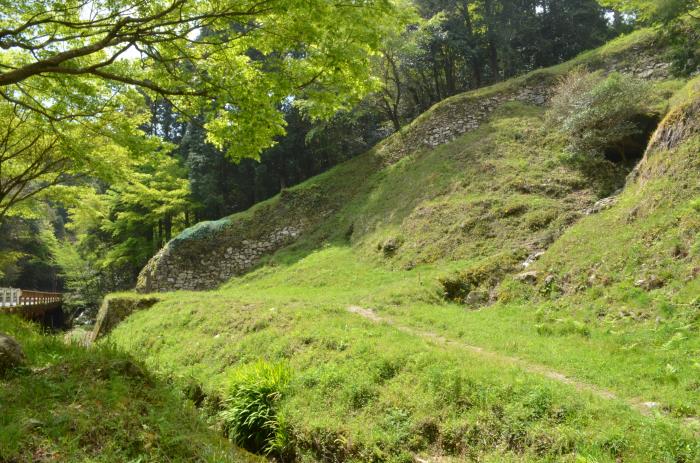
(80, 86)
(461, 45)
(231, 61)
(655, 11)
(123, 123)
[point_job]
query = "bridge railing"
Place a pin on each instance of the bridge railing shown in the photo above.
(11, 297)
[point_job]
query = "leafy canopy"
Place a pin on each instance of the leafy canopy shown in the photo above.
(40, 157)
(234, 61)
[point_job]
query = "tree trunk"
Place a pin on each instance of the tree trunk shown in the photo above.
(448, 66)
(472, 54)
(159, 238)
(168, 227)
(395, 121)
(436, 79)
(493, 60)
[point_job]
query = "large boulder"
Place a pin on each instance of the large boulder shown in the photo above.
(11, 353)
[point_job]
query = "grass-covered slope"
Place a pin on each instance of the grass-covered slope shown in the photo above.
(73, 404)
(649, 238)
(502, 184)
(365, 391)
(593, 358)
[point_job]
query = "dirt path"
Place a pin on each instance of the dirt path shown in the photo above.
(645, 408)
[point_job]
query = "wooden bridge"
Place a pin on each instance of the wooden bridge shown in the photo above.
(33, 305)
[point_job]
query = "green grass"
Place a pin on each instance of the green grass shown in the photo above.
(366, 391)
(96, 405)
(373, 393)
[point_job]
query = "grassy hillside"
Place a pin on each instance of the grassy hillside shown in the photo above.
(593, 358)
(397, 191)
(96, 405)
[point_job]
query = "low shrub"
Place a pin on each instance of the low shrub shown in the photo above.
(596, 114)
(390, 246)
(537, 220)
(359, 395)
(250, 408)
(683, 38)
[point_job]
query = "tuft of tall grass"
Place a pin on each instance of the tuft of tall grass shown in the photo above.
(250, 416)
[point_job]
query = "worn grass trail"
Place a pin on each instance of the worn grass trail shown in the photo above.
(647, 408)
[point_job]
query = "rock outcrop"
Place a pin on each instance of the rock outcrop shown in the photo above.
(11, 353)
(114, 309)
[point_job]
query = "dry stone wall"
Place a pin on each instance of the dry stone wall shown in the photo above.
(641, 62)
(203, 264)
(462, 114)
(114, 309)
(467, 117)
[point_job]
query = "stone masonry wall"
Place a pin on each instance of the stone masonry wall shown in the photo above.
(114, 309)
(455, 117)
(196, 265)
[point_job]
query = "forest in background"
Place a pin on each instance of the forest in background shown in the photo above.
(88, 228)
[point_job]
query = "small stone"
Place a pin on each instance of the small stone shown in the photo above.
(531, 259)
(654, 282)
(32, 423)
(528, 277)
(650, 283)
(601, 205)
(477, 298)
